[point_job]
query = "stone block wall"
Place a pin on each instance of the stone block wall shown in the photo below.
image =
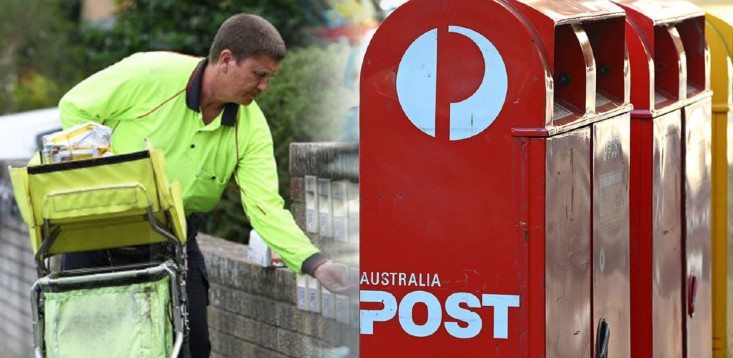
(253, 311)
(17, 274)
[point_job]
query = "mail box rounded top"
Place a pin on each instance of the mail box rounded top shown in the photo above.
(669, 56)
(660, 12)
(587, 54)
(719, 9)
(719, 33)
(720, 16)
(458, 69)
(720, 12)
(564, 12)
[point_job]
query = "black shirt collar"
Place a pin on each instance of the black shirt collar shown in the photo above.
(193, 96)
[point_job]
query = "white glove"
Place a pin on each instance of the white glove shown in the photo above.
(333, 277)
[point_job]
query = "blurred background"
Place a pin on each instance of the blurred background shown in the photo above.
(47, 46)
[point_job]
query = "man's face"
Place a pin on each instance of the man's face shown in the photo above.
(248, 78)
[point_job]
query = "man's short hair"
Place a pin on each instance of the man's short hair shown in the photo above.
(247, 35)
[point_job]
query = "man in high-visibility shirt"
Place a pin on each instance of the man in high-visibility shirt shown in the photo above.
(202, 115)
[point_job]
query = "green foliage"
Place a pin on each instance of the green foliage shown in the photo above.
(39, 59)
(306, 101)
(307, 97)
(35, 91)
(181, 26)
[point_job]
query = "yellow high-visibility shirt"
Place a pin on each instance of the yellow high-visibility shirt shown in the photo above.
(155, 96)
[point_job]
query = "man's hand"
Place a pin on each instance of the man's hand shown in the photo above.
(333, 277)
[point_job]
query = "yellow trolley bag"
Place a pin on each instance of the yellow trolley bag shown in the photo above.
(105, 203)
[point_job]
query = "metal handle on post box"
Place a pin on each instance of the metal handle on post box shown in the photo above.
(602, 338)
(691, 294)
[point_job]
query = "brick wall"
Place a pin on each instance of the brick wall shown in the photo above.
(253, 310)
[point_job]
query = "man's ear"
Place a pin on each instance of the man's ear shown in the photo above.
(225, 56)
(225, 59)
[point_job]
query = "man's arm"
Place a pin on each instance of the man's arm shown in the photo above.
(256, 175)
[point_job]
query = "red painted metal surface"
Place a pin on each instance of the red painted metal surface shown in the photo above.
(477, 236)
(451, 209)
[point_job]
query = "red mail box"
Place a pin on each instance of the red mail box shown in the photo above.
(494, 161)
(670, 189)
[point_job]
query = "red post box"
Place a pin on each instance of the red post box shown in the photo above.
(670, 190)
(494, 162)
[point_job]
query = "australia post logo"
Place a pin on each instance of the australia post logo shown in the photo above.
(417, 86)
(457, 314)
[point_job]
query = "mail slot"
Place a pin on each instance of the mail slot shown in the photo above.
(339, 194)
(670, 189)
(494, 160)
(325, 208)
(311, 204)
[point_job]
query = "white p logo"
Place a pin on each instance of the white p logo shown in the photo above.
(416, 86)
